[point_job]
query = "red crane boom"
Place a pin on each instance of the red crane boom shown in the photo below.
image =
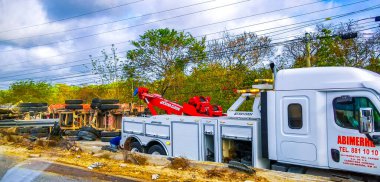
(197, 106)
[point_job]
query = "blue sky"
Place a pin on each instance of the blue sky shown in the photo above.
(30, 48)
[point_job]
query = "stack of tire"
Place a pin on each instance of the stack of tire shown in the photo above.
(38, 132)
(85, 133)
(105, 105)
(33, 107)
(74, 104)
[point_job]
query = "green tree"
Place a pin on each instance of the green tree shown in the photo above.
(108, 66)
(163, 55)
(30, 91)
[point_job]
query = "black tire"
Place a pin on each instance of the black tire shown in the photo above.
(74, 106)
(40, 135)
(95, 105)
(109, 101)
(32, 105)
(73, 138)
(157, 149)
(74, 101)
(91, 130)
(106, 139)
(108, 107)
(85, 135)
(136, 147)
(39, 130)
(71, 132)
(110, 134)
(95, 100)
(34, 109)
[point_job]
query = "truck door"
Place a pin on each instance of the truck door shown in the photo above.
(348, 149)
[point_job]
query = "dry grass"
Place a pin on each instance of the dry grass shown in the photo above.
(40, 143)
(134, 158)
(216, 173)
(140, 159)
(51, 143)
(179, 163)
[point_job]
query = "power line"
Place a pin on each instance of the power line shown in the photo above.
(133, 26)
(271, 21)
(12, 76)
(128, 41)
(124, 19)
(72, 17)
(157, 13)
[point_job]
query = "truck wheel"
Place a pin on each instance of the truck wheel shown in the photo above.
(136, 147)
(71, 132)
(33, 105)
(108, 107)
(74, 106)
(91, 130)
(85, 135)
(156, 150)
(109, 101)
(74, 101)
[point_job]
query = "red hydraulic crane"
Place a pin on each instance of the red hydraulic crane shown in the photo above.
(197, 106)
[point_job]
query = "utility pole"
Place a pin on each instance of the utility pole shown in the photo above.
(308, 56)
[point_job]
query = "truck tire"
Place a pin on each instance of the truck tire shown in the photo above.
(106, 139)
(108, 107)
(34, 109)
(85, 135)
(39, 135)
(74, 106)
(95, 100)
(39, 130)
(156, 150)
(110, 134)
(33, 105)
(109, 101)
(74, 101)
(136, 147)
(91, 130)
(95, 105)
(71, 132)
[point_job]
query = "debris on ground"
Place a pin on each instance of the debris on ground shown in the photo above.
(109, 148)
(240, 166)
(95, 165)
(140, 166)
(155, 176)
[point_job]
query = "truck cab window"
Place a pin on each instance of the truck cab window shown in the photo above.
(347, 113)
(295, 116)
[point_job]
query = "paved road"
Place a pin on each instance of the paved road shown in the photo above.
(34, 170)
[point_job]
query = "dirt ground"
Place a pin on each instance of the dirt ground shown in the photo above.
(136, 166)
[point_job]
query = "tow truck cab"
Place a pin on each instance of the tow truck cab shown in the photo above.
(325, 118)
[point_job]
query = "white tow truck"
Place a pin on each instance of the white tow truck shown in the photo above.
(324, 118)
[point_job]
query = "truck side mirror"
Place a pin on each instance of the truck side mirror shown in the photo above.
(366, 122)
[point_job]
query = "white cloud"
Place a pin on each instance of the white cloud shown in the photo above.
(21, 13)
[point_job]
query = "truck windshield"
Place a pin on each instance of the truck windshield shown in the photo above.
(347, 114)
